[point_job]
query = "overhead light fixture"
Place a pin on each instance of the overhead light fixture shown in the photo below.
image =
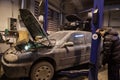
(117, 9)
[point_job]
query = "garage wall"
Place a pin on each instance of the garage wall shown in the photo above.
(10, 9)
(115, 18)
(106, 17)
(7, 10)
(53, 20)
(112, 19)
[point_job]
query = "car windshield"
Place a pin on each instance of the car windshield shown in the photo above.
(57, 35)
(52, 38)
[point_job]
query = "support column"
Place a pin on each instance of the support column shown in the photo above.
(45, 15)
(97, 22)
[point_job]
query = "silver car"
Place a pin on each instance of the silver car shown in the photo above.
(42, 58)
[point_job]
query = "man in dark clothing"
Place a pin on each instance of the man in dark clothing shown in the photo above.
(111, 52)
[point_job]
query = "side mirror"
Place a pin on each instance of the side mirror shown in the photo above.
(68, 44)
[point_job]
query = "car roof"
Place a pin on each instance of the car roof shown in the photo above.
(68, 33)
(72, 31)
(65, 34)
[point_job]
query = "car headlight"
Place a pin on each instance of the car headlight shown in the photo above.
(11, 57)
(27, 47)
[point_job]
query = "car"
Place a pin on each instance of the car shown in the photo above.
(43, 55)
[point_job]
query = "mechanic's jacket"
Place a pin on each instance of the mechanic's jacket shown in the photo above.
(111, 47)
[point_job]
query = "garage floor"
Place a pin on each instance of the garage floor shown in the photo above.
(102, 76)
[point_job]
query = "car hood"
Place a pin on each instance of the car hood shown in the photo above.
(32, 24)
(73, 18)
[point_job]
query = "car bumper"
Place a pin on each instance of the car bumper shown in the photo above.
(16, 70)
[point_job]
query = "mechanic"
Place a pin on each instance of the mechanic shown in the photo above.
(111, 52)
(0, 63)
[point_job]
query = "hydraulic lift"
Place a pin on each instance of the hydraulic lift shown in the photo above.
(45, 24)
(96, 23)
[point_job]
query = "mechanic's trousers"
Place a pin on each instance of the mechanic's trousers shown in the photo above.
(0, 63)
(113, 71)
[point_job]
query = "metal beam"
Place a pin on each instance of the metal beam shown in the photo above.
(97, 22)
(45, 15)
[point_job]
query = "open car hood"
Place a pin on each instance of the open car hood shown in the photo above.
(73, 18)
(32, 24)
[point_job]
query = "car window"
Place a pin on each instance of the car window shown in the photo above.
(77, 38)
(88, 37)
(57, 35)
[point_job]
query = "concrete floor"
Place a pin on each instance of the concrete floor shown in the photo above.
(101, 76)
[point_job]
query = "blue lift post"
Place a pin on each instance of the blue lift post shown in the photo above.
(93, 73)
(45, 25)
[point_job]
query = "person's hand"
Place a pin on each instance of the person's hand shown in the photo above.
(101, 32)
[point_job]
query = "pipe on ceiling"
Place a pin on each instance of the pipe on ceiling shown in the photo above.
(22, 4)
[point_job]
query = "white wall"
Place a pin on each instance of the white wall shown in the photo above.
(9, 10)
(6, 11)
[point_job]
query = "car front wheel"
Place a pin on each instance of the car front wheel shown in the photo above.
(42, 71)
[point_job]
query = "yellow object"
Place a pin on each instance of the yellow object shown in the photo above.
(103, 32)
(23, 36)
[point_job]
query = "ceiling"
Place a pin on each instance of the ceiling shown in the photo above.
(75, 6)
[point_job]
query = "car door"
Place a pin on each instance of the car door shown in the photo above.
(73, 52)
(79, 47)
(66, 54)
(88, 46)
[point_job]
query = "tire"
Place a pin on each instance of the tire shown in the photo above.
(42, 71)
